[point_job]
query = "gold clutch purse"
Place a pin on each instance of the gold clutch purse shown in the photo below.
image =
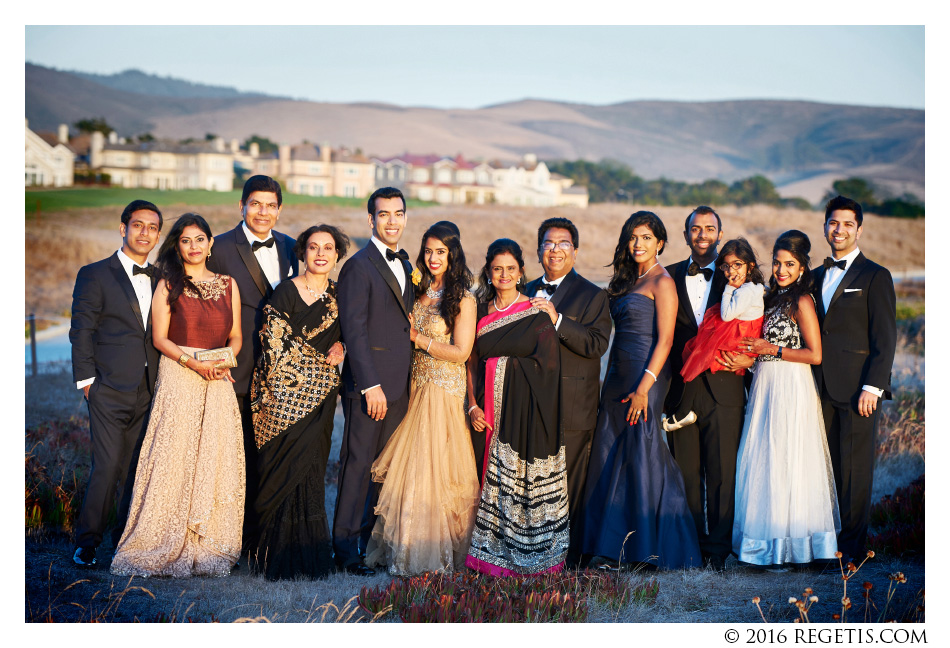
(225, 354)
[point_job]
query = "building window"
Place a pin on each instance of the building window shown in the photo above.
(349, 191)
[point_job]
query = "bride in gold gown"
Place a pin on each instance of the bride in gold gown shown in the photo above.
(427, 502)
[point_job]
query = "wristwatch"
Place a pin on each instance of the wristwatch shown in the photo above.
(779, 354)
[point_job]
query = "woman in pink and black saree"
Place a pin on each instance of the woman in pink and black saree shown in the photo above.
(521, 525)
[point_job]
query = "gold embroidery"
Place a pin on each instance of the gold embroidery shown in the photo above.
(450, 376)
(212, 289)
(507, 319)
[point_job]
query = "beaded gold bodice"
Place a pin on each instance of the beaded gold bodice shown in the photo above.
(426, 369)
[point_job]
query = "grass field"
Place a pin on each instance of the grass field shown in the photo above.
(52, 200)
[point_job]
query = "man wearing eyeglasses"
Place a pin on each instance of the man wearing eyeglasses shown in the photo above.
(258, 258)
(581, 314)
(706, 447)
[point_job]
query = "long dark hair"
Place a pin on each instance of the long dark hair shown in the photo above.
(169, 259)
(797, 244)
(744, 252)
(457, 278)
(486, 291)
(625, 266)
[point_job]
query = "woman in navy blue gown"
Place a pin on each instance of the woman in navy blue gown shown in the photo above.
(635, 501)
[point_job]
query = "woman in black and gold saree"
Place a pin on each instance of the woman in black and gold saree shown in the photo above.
(293, 397)
(521, 526)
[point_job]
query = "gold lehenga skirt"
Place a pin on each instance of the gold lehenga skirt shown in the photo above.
(187, 506)
(429, 495)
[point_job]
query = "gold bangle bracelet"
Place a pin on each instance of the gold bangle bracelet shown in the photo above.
(183, 360)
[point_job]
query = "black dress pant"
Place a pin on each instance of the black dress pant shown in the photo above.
(706, 452)
(363, 439)
(577, 454)
(851, 445)
(249, 529)
(117, 424)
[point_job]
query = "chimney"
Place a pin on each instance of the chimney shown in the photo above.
(325, 153)
(530, 160)
(254, 150)
(95, 150)
(218, 144)
(235, 146)
(63, 133)
(113, 138)
(283, 155)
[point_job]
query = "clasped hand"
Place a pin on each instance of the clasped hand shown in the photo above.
(213, 370)
(543, 304)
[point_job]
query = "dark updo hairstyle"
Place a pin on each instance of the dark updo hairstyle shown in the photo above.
(340, 240)
(169, 260)
(457, 279)
(486, 291)
(744, 252)
(625, 267)
(797, 244)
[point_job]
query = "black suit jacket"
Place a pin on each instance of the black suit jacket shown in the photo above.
(374, 321)
(725, 386)
(858, 332)
(584, 334)
(232, 255)
(109, 341)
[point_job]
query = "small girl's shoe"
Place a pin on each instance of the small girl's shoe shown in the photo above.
(670, 423)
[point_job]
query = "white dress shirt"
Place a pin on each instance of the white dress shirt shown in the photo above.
(267, 257)
(698, 290)
(829, 285)
(543, 294)
(399, 270)
(142, 285)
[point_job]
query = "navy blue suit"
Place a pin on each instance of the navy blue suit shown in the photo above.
(374, 318)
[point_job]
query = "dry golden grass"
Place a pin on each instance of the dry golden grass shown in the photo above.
(80, 236)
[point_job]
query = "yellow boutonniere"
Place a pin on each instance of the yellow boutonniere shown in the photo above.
(416, 277)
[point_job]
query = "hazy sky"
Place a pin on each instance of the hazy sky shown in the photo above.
(470, 67)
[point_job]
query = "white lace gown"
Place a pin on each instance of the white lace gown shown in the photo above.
(786, 507)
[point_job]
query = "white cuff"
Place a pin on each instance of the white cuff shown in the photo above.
(367, 389)
(874, 390)
(82, 383)
(558, 322)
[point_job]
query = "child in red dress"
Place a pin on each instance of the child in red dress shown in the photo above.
(738, 315)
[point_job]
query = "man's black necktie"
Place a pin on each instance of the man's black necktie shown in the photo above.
(838, 264)
(257, 245)
(392, 256)
(694, 270)
(147, 270)
(549, 288)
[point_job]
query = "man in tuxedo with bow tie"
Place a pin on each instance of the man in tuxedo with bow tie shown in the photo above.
(375, 296)
(705, 448)
(856, 314)
(258, 258)
(581, 315)
(115, 364)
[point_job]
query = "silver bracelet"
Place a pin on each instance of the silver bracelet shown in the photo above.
(652, 374)
(470, 409)
(429, 346)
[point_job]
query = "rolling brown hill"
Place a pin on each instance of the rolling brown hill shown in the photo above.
(801, 146)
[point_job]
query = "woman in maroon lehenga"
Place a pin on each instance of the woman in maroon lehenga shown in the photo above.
(188, 501)
(521, 526)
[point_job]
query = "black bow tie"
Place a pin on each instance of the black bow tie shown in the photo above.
(549, 288)
(257, 245)
(838, 264)
(147, 270)
(694, 270)
(392, 256)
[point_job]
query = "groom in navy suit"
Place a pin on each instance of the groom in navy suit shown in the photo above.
(375, 295)
(115, 364)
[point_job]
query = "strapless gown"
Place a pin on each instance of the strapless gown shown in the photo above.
(635, 500)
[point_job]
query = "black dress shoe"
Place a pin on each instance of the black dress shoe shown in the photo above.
(85, 556)
(359, 569)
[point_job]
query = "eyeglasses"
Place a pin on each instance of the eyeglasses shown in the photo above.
(268, 207)
(735, 265)
(560, 245)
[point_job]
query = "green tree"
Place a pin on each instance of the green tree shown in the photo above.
(93, 125)
(265, 145)
(145, 137)
(857, 189)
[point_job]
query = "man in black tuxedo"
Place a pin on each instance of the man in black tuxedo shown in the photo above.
(375, 296)
(856, 313)
(115, 363)
(258, 258)
(706, 450)
(581, 315)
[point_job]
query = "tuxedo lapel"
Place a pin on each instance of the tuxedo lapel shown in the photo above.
(819, 278)
(680, 280)
(563, 288)
(253, 267)
(283, 262)
(123, 280)
(407, 295)
(531, 289)
(376, 258)
(856, 266)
